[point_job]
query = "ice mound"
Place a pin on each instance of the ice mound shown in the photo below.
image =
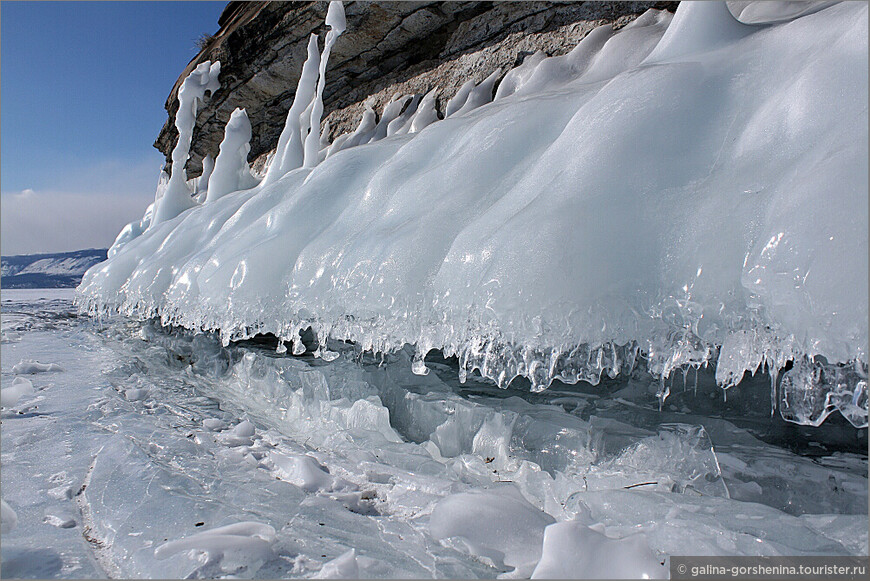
(8, 518)
(237, 549)
(32, 367)
(307, 473)
(497, 525)
(681, 192)
(10, 395)
(573, 550)
(348, 565)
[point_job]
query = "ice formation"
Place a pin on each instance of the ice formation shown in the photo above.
(32, 367)
(336, 23)
(574, 550)
(176, 197)
(497, 525)
(231, 170)
(232, 461)
(10, 395)
(685, 191)
(8, 518)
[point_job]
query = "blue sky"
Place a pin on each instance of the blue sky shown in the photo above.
(83, 86)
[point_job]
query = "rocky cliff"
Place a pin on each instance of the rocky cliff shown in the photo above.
(389, 48)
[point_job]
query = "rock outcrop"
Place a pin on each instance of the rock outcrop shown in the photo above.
(389, 48)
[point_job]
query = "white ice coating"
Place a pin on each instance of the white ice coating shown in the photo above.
(704, 203)
(363, 132)
(519, 75)
(176, 199)
(231, 169)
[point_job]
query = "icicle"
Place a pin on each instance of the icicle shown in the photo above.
(663, 392)
(336, 22)
(231, 169)
(289, 153)
(177, 198)
(774, 374)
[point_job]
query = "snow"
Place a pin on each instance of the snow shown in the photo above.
(20, 387)
(55, 266)
(238, 549)
(240, 462)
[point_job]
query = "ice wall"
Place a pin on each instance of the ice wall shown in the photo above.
(655, 195)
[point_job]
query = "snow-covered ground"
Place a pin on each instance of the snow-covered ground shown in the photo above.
(147, 453)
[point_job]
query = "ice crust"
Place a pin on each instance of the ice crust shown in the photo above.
(685, 191)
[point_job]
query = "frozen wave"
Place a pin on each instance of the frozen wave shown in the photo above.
(692, 198)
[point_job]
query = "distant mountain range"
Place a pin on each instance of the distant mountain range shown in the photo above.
(58, 270)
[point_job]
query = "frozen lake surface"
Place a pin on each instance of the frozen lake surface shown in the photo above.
(147, 453)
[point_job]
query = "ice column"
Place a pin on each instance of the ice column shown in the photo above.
(207, 168)
(177, 198)
(231, 169)
(289, 153)
(336, 23)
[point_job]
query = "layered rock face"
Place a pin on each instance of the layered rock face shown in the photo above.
(389, 49)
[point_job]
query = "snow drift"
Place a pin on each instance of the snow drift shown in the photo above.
(688, 190)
